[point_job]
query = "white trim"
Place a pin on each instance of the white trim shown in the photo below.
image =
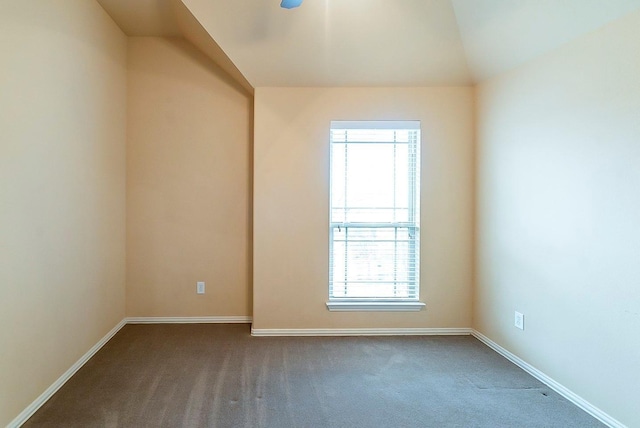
(360, 331)
(557, 387)
(48, 393)
(375, 124)
(189, 320)
(353, 306)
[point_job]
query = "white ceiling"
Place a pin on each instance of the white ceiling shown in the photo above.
(376, 42)
(499, 35)
(338, 42)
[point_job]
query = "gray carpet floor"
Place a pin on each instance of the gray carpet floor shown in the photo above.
(213, 375)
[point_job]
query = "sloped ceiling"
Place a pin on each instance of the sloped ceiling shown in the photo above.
(143, 17)
(372, 42)
(499, 35)
(339, 42)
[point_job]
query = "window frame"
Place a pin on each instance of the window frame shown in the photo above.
(413, 224)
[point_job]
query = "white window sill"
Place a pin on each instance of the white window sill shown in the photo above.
(363, 305)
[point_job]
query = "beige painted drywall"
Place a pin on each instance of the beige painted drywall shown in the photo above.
(194, 32)
(188, 184)
(291, 197)
(62, 190)
(559, 215)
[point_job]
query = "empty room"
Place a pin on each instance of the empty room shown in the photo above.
(319, 213)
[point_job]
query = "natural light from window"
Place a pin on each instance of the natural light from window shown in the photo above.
(375, 220)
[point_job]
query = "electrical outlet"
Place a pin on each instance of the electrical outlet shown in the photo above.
(519, 320)
(200, 287)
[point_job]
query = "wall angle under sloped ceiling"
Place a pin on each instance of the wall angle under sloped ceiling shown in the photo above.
(193, 31)
(171, 18)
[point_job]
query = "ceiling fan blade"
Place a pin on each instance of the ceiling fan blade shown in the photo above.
(290, 4)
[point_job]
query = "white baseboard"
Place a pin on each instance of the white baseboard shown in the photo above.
(189, 320)
(557, 387)
(46, 395)
(360, 331)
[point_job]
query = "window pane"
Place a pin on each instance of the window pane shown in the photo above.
(370, 179)
(374, 213)
(374, 262)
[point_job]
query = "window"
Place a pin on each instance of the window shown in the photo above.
(374, 260)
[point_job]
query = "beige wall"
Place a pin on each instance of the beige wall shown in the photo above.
(291, 197)
(559, 215)
(188, 184)
(62, 190)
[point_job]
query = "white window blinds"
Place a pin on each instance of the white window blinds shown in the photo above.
(375, 211)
